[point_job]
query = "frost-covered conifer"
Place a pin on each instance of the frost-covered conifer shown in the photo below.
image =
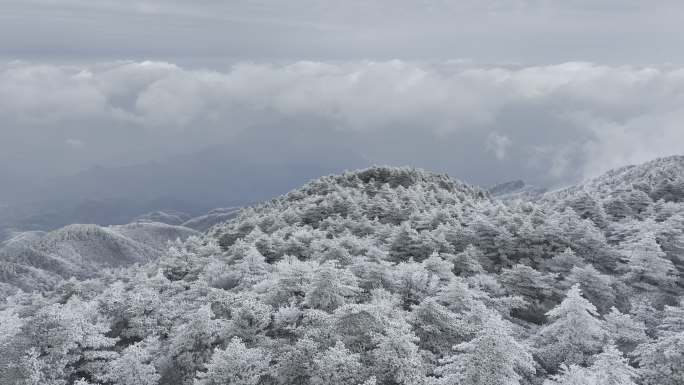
(134, 366)
(596, 287)
(574, 332)
(235, 365)
(661, 361)
(337, 366)
(609, 368)
(412, 282)
(493, 357)
(396, 358)
(647, 263)
(626, 332)
(330, 287)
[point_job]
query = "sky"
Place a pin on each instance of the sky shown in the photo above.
(547, 91)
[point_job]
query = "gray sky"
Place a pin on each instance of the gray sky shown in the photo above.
(523, 31)
(549, 91)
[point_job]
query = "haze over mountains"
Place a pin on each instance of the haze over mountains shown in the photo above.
(249, 169)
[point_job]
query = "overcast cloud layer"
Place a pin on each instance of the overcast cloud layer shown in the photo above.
(525, 31)
(487, 90)
(548, 124)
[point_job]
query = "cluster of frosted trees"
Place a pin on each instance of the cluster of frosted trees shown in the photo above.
(385, 276)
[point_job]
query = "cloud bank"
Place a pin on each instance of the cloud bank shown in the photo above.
(547, 124)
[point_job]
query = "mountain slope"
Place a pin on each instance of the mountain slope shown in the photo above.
(36, 260)
(205, 222)
(659, 179)
(373, 277)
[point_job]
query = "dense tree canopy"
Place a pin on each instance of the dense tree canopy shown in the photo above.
(382, 276)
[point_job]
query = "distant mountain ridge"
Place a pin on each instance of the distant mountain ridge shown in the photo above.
(516, 189)
(661, 178)
(37, 260)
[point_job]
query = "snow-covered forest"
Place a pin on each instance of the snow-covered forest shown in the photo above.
(384, 276)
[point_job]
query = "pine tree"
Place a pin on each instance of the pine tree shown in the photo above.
(573, 335)
(413, 283)
(563, 262)
(467, 262)
(134, 366)
(331, 287)
(437, 328)
(288, 281)
(612, 368)
(192, 343)
(10, 346)
(407, 243)
(296, 365)
(648, 266)
(571, 375)
(396, 357)
(534, 287)
(235, 365)
(625, 331)
(493, 357)
(609, 368)
(337, 366)
(68, 341)
(595, 286)
(662, 361)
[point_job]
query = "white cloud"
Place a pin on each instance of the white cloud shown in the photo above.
(497, 144)
(580, 118)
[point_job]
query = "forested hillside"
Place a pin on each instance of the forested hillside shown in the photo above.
(38, 261)
(385, 276)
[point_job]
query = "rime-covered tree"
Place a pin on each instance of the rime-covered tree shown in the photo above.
(493, 357)
(249, 317)
(648, 266)
(437, 328)
(330, 287)
(337, 366)
(407, 243)
(12, 347)
(626, 332)
(396, 358)
(596, 287)
(235, 365)
(192, 344)
(534, 287)
(612, 368)
(661, 361)
(609, 368)
(563, 262)
(296, 364)
(412, 282)
(468, 262)
(289, 280)
(66, 341)
(574, 332)
(134, 366)
(571, 375)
